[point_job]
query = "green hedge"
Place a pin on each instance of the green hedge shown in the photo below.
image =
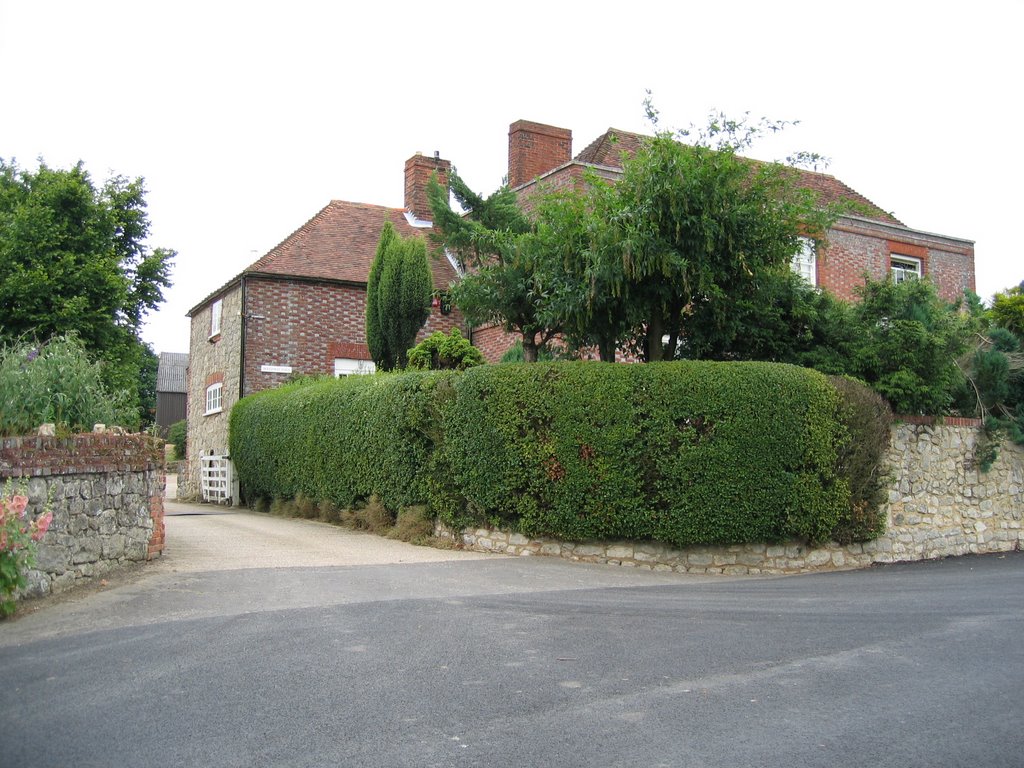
(684, 453)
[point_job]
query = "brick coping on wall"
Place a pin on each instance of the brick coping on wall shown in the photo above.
(939, 421)
(31, 456)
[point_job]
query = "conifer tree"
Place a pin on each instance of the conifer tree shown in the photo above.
(397, 299)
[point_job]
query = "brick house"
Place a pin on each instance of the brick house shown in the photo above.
(873, 243)
(300, 309)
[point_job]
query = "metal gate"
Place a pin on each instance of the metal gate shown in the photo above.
(216, 478)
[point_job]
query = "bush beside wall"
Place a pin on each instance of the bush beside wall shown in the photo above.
(683, 453)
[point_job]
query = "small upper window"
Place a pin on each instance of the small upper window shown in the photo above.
(804, 262)
(215, 311)
(214, 401)
(904, 268)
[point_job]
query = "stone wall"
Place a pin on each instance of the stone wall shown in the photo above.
(939, 504)
(106, 493)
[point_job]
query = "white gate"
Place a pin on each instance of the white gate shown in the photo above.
(216, 478)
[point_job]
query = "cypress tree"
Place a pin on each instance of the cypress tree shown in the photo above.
(398, 298)
(375, 338)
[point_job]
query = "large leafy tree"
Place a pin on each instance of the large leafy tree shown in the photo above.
(398, 297)
(504, 283)
(695, 226)
(73, 258)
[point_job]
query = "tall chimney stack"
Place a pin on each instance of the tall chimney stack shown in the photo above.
(535, 149)
(418, 170)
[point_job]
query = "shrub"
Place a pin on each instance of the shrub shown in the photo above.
(683, 453)
(177, 435)
(861, 458)
(56, 383)
(440, 351)
(414, 525)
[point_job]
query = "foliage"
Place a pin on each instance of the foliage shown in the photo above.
(906, 345)
(18, 537)
(380, 353)
(1008, 309)
(867, 418)
(341, 439)
(441, 351)
(73, 258)
(993, 388)
(176, 436)
(683, 453)
(56, 383)
(493, 241)
(514, 354)
(693, 224)
(398, 297)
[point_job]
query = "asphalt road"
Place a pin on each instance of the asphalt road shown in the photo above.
(471, 661)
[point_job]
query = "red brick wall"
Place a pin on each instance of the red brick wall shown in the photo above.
(304, 325)
(493, 342)
(534, 148)
(855, 250)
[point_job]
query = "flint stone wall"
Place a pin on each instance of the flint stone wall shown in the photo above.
(106, 493)
(939, 504)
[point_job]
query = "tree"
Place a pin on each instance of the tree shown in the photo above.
(74, 258)
(1008, 309)
(494, 241)
(695, 225)
(397, 297)
(375, 339)
(907, 344)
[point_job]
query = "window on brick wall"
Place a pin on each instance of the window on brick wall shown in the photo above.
(348, 367)
(805, 262)
(215, 312)
(214, 398)
(903, 268)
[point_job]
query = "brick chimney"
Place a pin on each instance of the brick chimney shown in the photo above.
(534, 148)
(418, 170)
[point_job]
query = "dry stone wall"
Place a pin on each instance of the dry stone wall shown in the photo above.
(940, 504)
(106, 493)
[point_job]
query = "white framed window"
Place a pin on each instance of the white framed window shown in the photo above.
(215, 312)
(214, 398)
(903, 268)
(805, 262)
(346, 367)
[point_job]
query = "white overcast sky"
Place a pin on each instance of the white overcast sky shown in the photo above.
(246, 118)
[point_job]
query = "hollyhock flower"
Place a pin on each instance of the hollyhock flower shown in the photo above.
(41, 526)
(18, 504)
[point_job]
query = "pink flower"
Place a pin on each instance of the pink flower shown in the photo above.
(41, 526)
(18, 504)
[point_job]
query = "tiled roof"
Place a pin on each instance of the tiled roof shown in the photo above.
(170, 373)
(608, 149)
(339, 243)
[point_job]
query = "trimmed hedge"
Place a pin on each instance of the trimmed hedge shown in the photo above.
(683, 453)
